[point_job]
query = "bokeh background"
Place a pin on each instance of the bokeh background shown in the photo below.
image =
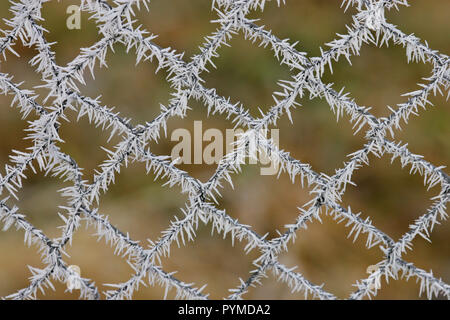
(245, 72)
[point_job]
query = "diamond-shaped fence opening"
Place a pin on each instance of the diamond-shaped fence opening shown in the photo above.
(385, 61)
(298, 21)
(38, 186)
(314, 135)
(200, 213)
(370, 195)
(141, 207)
(195, 17)
(86, 140)
(310, 253)
(211, 260)
(198, 139)
(250, 78)
(139, 97)
(264, 201)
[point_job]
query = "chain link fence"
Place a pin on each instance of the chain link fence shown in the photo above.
(116, 25)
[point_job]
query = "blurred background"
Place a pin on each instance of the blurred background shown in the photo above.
(247, 73)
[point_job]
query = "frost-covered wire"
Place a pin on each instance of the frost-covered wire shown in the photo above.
(116, 25)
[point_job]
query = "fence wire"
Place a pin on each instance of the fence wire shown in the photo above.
(116, 25)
